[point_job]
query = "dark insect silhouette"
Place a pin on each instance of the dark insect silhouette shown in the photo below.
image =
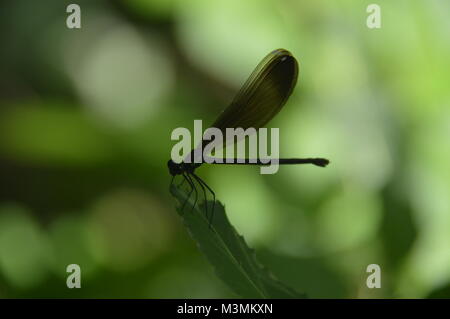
(261, 97)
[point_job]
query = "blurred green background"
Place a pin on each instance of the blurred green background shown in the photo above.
(85, 122)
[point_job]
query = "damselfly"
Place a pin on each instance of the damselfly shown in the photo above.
(261, 97)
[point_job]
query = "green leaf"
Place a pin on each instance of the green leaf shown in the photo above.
(234, 262)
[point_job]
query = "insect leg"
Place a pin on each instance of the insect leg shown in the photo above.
(212, 193)
(171, 182)
(189, 195)
(182, 182)
(191, 182)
